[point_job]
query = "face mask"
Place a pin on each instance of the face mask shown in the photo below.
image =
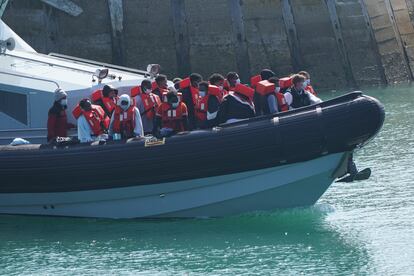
(147, 91)
(277, 89)
(202, 93)
(238, 81)
(64, 102)
(304, 85)
(174, 105)
(308, 82)
(221, 87)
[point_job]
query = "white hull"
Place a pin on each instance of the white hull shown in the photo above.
(294, 185)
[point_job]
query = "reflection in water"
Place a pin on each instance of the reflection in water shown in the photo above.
(364, 228)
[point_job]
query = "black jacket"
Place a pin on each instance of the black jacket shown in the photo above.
(235, 106)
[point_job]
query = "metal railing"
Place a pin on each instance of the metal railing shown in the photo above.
(30, 77)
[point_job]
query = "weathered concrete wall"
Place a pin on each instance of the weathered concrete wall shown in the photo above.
(343, 43)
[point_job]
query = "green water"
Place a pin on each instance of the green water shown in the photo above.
(364, 228)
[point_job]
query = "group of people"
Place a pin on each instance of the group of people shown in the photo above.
(155, 108)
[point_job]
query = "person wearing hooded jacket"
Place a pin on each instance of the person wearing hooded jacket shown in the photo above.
(57, 121)
(126, 120)
(237, 105)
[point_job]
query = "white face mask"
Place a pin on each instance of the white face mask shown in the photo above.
(147, 91)
(64, 102)
(221, 87)
(174, 105)
(202, 93)
(277, 89)
(124, 107)
(238, 81)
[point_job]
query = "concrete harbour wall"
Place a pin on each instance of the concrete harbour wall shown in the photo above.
(342, 43)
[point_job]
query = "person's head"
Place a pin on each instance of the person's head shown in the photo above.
(61, 97)
(195, 79)
(109, 91)
(124, 102)
(307, 77)
(172, 99)
(275, 80)
(85, 104)
(203, 88)
(146, 86)
(267, 74)
(176, 82)
(161, 81)
(216, 79)
(233, 78)
(298, 81)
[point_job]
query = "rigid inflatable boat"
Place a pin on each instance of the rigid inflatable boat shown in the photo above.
(277, 161)
(264, 163)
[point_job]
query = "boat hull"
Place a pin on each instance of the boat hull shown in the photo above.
(292, 185)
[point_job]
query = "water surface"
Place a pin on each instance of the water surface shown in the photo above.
(362, 228)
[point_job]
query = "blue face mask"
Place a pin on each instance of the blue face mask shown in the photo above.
(202, 93)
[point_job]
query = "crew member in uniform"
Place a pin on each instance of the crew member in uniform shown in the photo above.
(171, 116)
(297, 97)
(57, 121)
(126, 120)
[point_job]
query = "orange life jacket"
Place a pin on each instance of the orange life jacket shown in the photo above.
(285, 83)
(173, 118)
(186, 83)
(244, 90)
(95, 118)
(266, 88)
(108, 103)
(255, 80)
(202, 104)
(151, 103)
(124, 121)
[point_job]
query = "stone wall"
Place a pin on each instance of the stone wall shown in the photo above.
(342, 43)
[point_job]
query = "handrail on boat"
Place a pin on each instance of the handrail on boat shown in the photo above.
(30, 77)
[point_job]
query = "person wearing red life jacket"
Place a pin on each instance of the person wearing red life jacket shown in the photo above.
(274, 100)
(237, 105)
(147, 103)
(208, 105)
(162, 85)
(90, 120)
(57, 121)
(297, 97)
(260, 102)
(106, 99)
(232, 79)
(126, 120)
(307, 84)
(171, 116)
(189, 89)
(218, 80)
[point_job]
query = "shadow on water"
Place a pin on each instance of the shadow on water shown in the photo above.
(292, 241)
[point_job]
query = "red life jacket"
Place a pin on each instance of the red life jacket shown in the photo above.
(285, 83)
(244, 90)
(109, 104)
(151, 103)
(124, 121)
(186, 83)
(255, 80)
(202, 104)
(173, 118)
(95, 118)
(266, 88)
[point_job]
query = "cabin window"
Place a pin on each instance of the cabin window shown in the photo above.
(14, 105)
